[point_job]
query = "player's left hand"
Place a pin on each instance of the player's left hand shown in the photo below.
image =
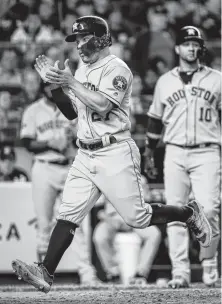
(62, 77)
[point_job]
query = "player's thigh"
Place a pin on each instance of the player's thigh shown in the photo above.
(43, 193)
(205, 177)
(79, 196)
(176, 179)
(121, 184)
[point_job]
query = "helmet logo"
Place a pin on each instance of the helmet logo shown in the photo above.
(120, 83)
(77, 26)
(191, 32)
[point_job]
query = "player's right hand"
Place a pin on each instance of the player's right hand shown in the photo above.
(149, 164)
(42, 66)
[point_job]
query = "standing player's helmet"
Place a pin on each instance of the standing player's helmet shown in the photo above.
(92, 25)
(188, 33)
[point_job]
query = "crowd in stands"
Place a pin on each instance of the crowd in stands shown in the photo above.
(143, 34)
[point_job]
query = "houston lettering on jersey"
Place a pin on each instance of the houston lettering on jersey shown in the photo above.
(57, 124)
(195, 91)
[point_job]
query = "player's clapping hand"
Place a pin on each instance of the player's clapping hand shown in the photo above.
(61, 77)
(42, 65)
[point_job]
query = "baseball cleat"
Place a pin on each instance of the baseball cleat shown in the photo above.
(199, 224)
(178, 282)
(37, 276)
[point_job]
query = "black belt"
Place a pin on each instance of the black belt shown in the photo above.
(97, 145)
(64, 162)
(205, 145)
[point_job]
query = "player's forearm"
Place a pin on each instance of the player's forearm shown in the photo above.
(154, 131)
(63, 102)
(91, 99)
(36, 146)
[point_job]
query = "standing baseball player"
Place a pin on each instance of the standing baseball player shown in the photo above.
(187, 102)
(108, 160)
(48, 134)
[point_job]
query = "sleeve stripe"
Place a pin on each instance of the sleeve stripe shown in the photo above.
(153, 136)
(154, 115)
(110, 98)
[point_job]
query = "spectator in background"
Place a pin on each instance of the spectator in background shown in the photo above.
(9, 117)
(33, 31)
(9, 71)
(156, 40)
(149, 80)
(31, 84)
(69, 7)
(8, 170)
(48, 15)
(159, 65)
(136, 104)
(102, 8)
(119, 29)
(135, 15)
(84, 8)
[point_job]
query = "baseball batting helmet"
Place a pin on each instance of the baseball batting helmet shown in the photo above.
(189, 32)
(92, 25)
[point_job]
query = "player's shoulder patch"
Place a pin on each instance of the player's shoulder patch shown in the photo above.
(120, 83)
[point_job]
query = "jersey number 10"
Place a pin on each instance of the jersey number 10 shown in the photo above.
(205, 114)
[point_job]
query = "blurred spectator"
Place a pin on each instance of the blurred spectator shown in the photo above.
(9, 72)
(47, 14)
(69, 7)
(8, 170)
(102, 8)
(156, 40)
(9, 118)
(84, 8)
(31, 84)
(135, 14)
(149, 80)
(118, 28)
(33, 31)
(136, 104)
(159, 65)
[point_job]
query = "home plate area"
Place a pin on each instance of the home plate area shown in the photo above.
(107, 293)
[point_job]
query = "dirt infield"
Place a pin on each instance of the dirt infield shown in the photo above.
(67, 294)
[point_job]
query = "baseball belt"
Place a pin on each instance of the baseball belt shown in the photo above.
(98, 144)
(64, 162)
(194, 146)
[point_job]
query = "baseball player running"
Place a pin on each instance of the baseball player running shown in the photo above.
(187, 102)
(108, 160)
(48, 134)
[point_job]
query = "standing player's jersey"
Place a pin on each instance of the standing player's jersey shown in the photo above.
(112, 78)
(42, 123)
(189, 111)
